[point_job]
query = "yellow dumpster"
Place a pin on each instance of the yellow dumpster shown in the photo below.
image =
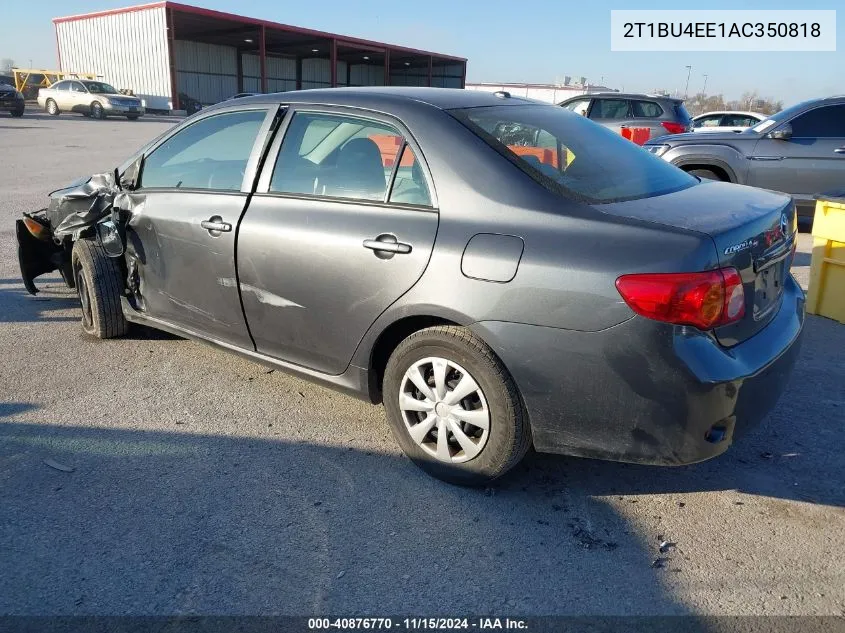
(826, 294)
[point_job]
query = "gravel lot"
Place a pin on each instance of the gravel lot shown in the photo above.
(204, 484)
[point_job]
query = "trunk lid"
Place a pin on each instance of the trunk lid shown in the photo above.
(753, 230)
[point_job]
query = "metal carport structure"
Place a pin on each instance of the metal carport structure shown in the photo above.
(162, 49)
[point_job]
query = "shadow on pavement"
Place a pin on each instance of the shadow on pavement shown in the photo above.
(169, 523)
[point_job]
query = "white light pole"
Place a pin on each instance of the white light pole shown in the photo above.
(686, 90)
(704, 90)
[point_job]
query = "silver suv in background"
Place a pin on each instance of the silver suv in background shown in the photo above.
(96, 99)
(618, 111)
(799, 151)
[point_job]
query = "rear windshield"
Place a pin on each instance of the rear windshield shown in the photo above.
(682, 114)
(571, 155)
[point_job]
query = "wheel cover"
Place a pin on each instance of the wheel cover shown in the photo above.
(85, 299)
(51, 106)
(444, 410)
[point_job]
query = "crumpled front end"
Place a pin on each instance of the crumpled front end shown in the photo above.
(45, 237)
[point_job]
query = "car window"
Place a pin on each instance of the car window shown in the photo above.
(609, 109)
(75, 86)
(209, 154)
(579, 106)
(98, 87)
(647, 109)
(823, 122)
(346, 157)
(709, 121)
(588, 161)
(738, 120)
(62, 85)
(409, 186)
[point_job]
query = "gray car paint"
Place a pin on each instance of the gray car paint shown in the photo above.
(801, 167)
(596, 380)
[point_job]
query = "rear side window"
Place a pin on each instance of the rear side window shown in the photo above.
(714, 120)
(609, 109)
(579, 106)
(348, 157)
(209, 154)
(646, 109)
(62, 85)
(824, 122)
(571, 155)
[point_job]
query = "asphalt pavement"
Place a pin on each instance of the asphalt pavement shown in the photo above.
(200, 482)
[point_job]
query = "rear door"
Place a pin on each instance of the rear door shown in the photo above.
(613, 113)
(77, 98)
(809, 163)
(341, 225)
(194, 186)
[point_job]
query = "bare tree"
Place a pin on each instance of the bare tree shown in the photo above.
(701, 103)
(6, 65)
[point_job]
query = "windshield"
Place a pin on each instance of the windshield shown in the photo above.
(784, 115)
(571, 155)
(98, 87)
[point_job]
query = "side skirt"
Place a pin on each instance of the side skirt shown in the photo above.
(354, 381)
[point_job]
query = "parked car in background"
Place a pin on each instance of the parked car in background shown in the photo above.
(799, 151)
(619, 111)
(498, 272)
(96, 99)
(11, 100)
(725, 121)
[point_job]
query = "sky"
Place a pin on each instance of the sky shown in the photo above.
(537, 41)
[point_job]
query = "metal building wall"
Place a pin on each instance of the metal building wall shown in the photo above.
(206, 72)
(281, 73)
(364, 75)
(128, 50)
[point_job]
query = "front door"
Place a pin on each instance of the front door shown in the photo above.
(192, 191)
(812, 161)
(342, 225)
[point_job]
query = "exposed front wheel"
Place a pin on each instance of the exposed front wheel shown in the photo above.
(52, 108)
(99, 284)
(97, 111)
(453, 407)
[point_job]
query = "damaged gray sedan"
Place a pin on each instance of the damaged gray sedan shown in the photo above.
(499, 273)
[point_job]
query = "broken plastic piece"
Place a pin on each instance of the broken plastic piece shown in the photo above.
(54, 464)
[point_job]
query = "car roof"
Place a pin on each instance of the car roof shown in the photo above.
(740, 112)
(378, 96)
(623, 95)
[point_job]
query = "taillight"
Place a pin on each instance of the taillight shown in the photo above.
(674, 128)
(705, 300)
(36, 229)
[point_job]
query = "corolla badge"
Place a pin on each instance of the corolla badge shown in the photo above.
(735, 248)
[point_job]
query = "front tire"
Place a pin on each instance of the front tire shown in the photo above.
(99, 284)
(132, 117)
(17, 113)
(454, 408)
(97, 111)
(52, 108)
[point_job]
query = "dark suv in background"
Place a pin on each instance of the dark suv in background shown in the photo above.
(799, 151)
(618, 110)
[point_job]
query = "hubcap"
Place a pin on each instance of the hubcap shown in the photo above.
(444, 410)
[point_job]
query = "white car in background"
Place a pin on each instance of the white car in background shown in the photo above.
(726, 121)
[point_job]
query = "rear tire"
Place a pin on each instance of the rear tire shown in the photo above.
(706, 174)
(17, 113)
(99, 284)
(52, 108)
(132, 117)
(97, 111)
(479, 456)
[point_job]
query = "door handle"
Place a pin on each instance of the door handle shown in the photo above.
(386, 246)
(839, 150)
(215, 224)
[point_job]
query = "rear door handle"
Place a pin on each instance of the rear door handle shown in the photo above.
(215, 224)
(387, 244)
(840, 150)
